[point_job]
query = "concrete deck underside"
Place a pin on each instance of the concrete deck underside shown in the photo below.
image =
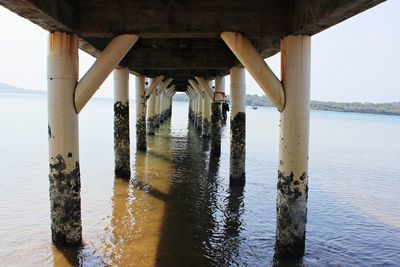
(181, 39)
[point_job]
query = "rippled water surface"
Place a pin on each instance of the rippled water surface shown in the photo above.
(178, 209)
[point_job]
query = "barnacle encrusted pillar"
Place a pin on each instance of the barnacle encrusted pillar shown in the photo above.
(157, 110)
(64, 173)
(292, 186)
(141, 143)
(206, 129)
(121, 123)
(151, 113)
(219, 97)
(238, 127)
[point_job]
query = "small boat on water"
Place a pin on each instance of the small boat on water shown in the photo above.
(255, 107)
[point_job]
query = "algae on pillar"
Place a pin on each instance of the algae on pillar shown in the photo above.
(151, 113)
(291, 202)
(206, 129)
(141, 143)
(216, 116)
(64, 172)
(122, 167)
(238, 127)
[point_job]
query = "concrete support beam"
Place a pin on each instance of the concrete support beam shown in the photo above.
(238, 127)
(205, 86)
(121, 124)
(292, 186)
(141, 143)
(216, 116)
(105, 63)
(256, 66)
(64, 172)
(164, 85)
(206, 129)
(153, 85)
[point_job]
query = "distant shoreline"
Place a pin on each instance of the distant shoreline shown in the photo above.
(392, 108)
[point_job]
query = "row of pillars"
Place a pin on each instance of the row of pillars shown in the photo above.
(291, 95)
(152, 108)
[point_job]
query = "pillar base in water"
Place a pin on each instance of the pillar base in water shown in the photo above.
(151, 126)
(141, 143)
(199, 122)
(122, 140)
(216, 129)
(65, 202)
(206, 130)
(291, 218)
(237, 175)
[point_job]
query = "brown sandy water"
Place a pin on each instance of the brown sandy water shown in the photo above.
(178, 209)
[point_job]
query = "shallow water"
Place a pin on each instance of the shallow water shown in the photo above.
(178, 209)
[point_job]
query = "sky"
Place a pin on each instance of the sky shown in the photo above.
(356, 60)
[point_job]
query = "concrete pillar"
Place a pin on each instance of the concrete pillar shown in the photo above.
(199, 121)
(162, 107)
(292, 186)
(216, 116)
(157, 110)
(64, 173)
(141, 143)
(238, 127)
(122, 168)
(206, 130)
(151, 112)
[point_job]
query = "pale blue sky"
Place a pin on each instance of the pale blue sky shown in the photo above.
(356, 60)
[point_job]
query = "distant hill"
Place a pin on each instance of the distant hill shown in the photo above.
(9, 89)
(391, 108)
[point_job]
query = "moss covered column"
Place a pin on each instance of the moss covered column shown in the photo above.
(291, 203)
(238, 127)
(122, 166)
(141, 143)
(219, 97)
(63, 134)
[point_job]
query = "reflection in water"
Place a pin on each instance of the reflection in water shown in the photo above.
(169, 213)
(178, 208)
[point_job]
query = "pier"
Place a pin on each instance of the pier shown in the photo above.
(178, 46)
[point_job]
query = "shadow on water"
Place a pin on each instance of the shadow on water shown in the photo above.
(176, 211)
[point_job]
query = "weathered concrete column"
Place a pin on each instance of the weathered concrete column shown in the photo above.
(157, 110)
(206, 130)
(151, 112)
(219, 97)
(238, 127)
(122, 168)
(141, 143)
(199, 121)
(64, 173)
(162, 107)
(292, 186)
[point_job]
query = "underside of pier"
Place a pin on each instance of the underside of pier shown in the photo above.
(181, 39)
(185, 46)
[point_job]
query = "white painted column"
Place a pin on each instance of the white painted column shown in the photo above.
(157, 110)
(219, 97)
(151, 111)
(121, 124)
(238, 127)
(64, 176)
(141, 143)
(199, 122)
(206, 130)
(293, 148)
